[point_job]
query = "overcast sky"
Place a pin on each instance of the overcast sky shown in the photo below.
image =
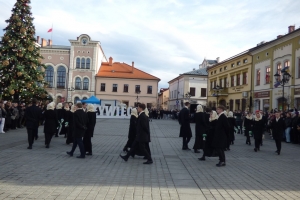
(163, 37)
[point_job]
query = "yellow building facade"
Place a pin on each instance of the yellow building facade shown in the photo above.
(234, 76)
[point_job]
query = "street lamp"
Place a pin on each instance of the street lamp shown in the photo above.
(217, 89)
(188, 96)
(285, 79)
(137, 96)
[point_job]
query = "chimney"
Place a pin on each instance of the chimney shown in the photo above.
(279, 36)
(38, 39)
(110, 61)
(132, 66)
(49, 42)
(291, 28)
(218, 59)
(44, 42)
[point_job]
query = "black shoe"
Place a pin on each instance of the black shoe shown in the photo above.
(232, 143)
(80, 157)
(132, 156)
(221, 164)
(148, 162)
(125, 149)
(124, 158)
(228, 149)
(278, 152)
(88, 154)
(255, 149)
(202, 158)
(69, 153)
(145, 158)
(247, 142)
(258, 149)
(196, 151)
(47, 146)
(30, 147)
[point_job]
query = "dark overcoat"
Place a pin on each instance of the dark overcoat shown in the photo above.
(277, 128)
(248, 124)
(209, 150)
(142, 128)
(132, 129)
(60, 114)
(91, 124)
(51, 123)
(184, 121)
(258, 129)
(232, 124)
(200, 129)
(221, 133)
(80, 121)
(32, 116)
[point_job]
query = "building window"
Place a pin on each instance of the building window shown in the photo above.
(76, 99)
(215, 83)
(258, 77)
(238, 78)
(215, 71)
(137, 89)
(49, 76)
(203, 92)
(88, 63)
(82, 63)
(102, 89)
(115, 88)
(149, 89)
(211, 84)
(279, 71)
(245, 60)
(61, 77)
(268, 71)
(238, 63)
(211, 73)
(225, 82)
(225, 68)
(78, 83)
(299, 68)
(232, 81)
(220, 69)
(244, 78)
(125, 89)
(77, 63)
(86, 83)
(286, 63)
(232, 65)
(220, 83)
(192, 91)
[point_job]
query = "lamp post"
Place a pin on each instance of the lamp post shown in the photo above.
(188, 96)
(137, 96)
(285, 79)
(71, 89)
(217, 89)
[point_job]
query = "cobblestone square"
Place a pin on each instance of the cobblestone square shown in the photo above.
(43, 173)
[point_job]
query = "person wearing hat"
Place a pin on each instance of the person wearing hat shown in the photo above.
(278, 127)
(258, 130)
(185, 128)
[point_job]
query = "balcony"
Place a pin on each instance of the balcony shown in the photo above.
(224, 92)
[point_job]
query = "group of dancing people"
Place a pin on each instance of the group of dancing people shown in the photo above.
(215, 130)
(76, 123)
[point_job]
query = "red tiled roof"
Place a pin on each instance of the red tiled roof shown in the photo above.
(123, 70)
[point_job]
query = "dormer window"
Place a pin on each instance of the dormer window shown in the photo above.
(84, 41)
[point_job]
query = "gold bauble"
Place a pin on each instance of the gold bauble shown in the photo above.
(22, 30)
(42, 69)
(19, 24)
(6, 38)
(28, 85)
(5, 63)
(11, 44)
(12, 92)
(20, 55)
(31, 48)
(19, 73)
(40, 60)
(40, 77)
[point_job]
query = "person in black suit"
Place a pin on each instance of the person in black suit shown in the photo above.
(248, 127)
(71, 125)
(142, 136)
(32, 115)
(200, 129)
(232, 124)
(258, 127)
(89, 133)
(132, 130)
(80, 126)
(60, 117)
(221, 134)
(51, 123)
(185, 128)
(278, 127)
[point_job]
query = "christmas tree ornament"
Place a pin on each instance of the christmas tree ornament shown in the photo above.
(5, 63)
(12, 92)
(19, 73)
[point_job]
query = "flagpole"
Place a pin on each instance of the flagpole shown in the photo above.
(51, 36)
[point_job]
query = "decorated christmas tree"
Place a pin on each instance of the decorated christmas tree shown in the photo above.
(21, 71)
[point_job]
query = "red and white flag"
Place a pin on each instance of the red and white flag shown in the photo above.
(50, 30)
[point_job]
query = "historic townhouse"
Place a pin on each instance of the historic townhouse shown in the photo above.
(163, 98)
(190, 86)
(272, 57)
(229, 82)
(119, 83)
(71, 70)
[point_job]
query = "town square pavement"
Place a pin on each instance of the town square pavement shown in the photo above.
(43, 173)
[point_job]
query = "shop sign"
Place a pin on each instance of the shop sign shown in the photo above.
(296, 91)
(261, 94)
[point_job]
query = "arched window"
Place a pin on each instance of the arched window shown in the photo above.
(85, 83)
(77, 83)
(88, 63)
(61, 77)
(77, 63)
(76, 99)
(84, 98)
(82, 63)
(49, 76)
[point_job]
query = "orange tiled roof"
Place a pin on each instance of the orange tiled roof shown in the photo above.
(123, 70)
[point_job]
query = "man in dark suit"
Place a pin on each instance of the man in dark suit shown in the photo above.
(32, 116)
(185, 128)
(80, 126)
(278, 127)
(221, 135)
(142, 136)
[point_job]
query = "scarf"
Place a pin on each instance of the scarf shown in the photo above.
(199, 109)
(257, 119)
(214, 116)
(249, 117)
(134, 112)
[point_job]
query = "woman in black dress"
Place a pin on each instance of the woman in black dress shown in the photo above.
(232, 124)
(89, 133)
(71, 125)
(248, 127)
(60, 117)
(65, 124)
(132, 130)
(258, 130)
(200, 128)
(208, 149)
(51, 123)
